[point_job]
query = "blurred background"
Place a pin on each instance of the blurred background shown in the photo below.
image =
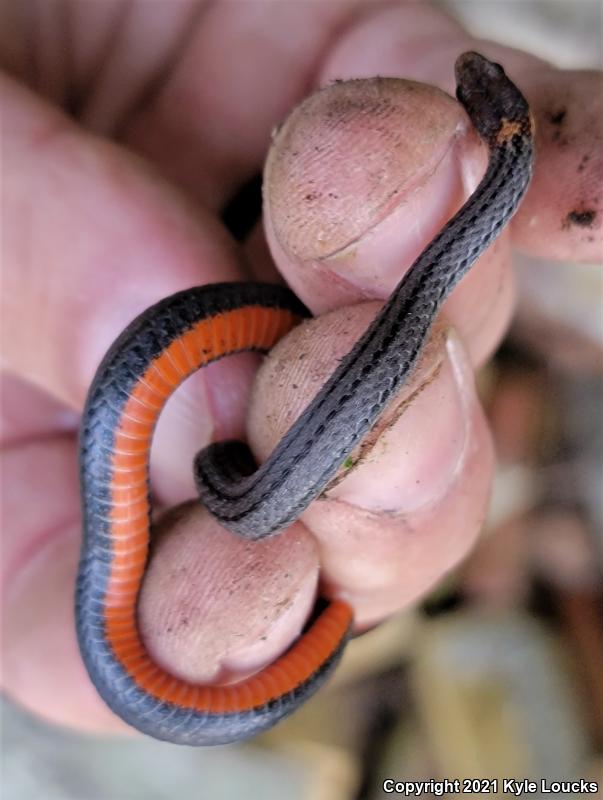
(500, 672)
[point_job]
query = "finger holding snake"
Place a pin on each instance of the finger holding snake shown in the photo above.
(181, 249)
(190, 329)
(402, 517)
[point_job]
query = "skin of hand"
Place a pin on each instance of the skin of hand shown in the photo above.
(117, 205)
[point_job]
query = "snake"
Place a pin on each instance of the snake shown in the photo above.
(194, 327)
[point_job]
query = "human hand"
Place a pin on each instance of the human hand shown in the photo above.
(96, 236)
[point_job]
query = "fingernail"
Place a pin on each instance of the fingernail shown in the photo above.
(423, 441)
(360, 178)
(395, 238)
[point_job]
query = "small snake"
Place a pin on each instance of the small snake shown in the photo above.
(182, 333)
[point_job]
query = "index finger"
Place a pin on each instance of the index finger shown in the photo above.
(217, 138)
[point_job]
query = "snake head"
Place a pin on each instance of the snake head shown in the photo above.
(495, 105)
